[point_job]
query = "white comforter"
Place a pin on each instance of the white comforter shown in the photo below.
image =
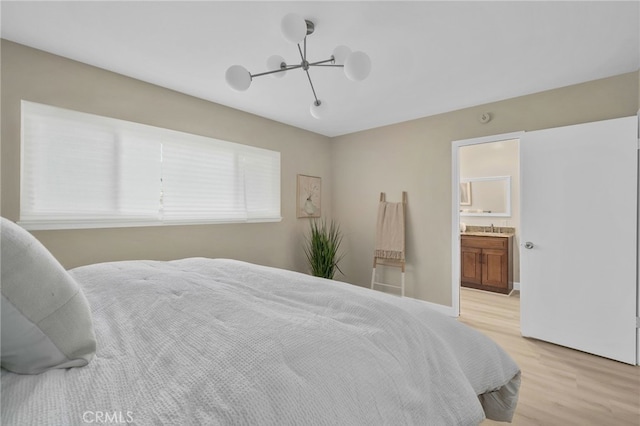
(223, 342)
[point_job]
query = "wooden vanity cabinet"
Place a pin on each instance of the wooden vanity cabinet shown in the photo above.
(485, 263)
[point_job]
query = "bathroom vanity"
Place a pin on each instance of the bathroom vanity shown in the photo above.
(486, 260)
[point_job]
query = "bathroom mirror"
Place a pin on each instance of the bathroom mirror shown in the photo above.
(485, 196)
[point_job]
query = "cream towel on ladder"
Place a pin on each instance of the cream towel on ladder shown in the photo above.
(390, 231)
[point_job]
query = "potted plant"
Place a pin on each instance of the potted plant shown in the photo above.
(321, 248)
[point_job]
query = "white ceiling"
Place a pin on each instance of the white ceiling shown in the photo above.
(427, 57)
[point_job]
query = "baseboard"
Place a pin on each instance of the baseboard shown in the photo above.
(516, 286)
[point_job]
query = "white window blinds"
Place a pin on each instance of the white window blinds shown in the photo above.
(82, 170)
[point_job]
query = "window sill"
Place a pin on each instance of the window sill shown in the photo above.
(44, 225)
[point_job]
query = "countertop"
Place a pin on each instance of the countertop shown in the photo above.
(489, 234)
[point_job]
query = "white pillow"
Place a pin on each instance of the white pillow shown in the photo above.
(46, 320)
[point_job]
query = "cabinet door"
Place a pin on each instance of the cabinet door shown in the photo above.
(495, 268)
(471, 265)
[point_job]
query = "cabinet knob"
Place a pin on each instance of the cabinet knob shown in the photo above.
(528, 245)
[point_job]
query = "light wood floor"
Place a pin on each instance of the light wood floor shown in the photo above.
(560, 386)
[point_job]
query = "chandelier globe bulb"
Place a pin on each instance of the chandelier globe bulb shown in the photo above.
(294, 28)
(318, 109)
(357, 66)
(238, 78)
(274, 62)
(340, 54)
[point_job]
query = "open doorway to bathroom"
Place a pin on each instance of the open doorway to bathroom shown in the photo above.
(486, 216)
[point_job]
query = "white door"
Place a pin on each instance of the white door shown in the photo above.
(579, 192)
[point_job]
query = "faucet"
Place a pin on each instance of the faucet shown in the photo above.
(492, 229)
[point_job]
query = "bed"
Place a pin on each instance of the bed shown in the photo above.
(225, 342)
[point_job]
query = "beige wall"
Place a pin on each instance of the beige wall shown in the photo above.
(415, 156)
(41, 77)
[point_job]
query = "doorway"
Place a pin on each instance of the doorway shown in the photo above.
(483, 164)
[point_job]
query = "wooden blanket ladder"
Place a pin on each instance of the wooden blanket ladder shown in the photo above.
(392, 262)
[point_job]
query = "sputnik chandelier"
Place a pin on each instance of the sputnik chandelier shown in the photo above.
(356, 65)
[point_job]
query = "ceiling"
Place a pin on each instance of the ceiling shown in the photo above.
(427, 57)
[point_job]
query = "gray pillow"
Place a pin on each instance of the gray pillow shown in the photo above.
(46, 320)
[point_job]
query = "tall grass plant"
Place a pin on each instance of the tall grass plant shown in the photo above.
(322, 248)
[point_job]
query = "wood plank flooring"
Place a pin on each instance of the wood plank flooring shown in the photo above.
(560, 386)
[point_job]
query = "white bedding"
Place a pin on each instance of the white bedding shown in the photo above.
(223, 342)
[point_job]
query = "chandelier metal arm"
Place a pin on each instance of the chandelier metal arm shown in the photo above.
(312, 88)
(293, 67)
(286, 68)
(302, 55)
(331, 59)
(305, 66)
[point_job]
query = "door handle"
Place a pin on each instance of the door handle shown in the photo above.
(528, 245)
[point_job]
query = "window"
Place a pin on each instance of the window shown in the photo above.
(85, 171)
